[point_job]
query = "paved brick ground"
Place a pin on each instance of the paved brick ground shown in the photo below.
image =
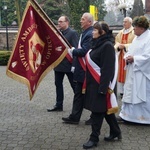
(26, 125)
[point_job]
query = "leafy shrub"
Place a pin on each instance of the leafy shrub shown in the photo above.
(4, 57)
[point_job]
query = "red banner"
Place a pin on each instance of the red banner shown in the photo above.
(39, 47)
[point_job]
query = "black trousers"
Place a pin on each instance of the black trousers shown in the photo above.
(97, 120)
(59, 77)
(78, 102)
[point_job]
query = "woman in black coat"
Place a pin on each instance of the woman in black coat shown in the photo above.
(99, 74)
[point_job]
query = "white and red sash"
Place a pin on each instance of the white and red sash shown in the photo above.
(82, 63)
(112, 105)
(69, 57)
(81, 59)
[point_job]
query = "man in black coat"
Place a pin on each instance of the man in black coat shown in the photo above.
(79, 73)
(64, 68)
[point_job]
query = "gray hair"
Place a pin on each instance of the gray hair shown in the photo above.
(129, 19)
(89, 17)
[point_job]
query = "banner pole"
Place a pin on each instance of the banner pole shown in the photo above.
(45, 15)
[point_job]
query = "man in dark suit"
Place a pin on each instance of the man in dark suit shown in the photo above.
(64, 68)
(79, 73)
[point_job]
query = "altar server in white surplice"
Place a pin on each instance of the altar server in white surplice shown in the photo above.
(136, 98)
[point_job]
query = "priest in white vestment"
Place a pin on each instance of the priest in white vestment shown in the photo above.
(136, 99)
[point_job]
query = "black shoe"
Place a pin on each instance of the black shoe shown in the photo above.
(88, 122)
(121, 95)
(56, 108)
(89, 144)
(119, 119)
(112, 137)
(70, 121)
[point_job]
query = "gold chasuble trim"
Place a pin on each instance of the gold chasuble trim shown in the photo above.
(39, 47)
(112, 110)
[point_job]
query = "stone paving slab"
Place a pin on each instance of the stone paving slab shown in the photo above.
(26, 125)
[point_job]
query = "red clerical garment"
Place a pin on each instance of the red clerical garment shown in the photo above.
(122, 71)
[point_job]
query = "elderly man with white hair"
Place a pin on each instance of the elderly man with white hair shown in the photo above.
(122, 41)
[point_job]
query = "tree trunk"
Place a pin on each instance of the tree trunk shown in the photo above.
(18, 10)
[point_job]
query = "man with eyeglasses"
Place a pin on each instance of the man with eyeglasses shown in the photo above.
(64, 68)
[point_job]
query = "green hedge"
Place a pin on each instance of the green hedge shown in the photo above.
(4, 57)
